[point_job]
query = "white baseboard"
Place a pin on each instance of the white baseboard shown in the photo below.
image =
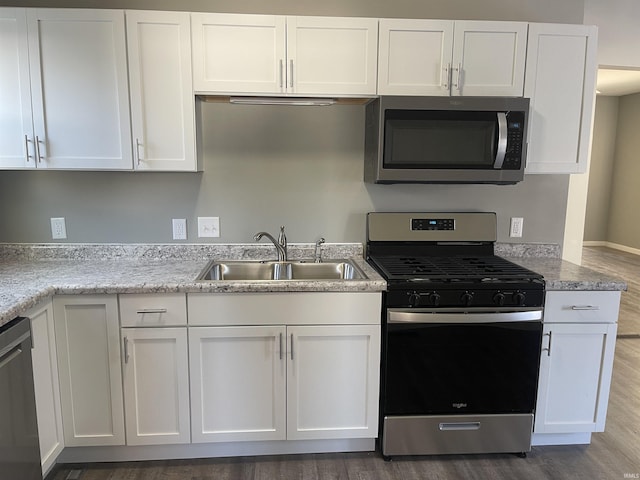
(544, 439)
(615, 246)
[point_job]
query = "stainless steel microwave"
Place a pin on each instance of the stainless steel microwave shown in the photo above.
(446, 139)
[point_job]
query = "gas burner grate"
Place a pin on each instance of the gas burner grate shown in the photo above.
(453, 268)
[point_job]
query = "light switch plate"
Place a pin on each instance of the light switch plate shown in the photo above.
(208, 227)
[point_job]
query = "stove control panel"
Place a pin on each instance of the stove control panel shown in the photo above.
(465, 298)
(432, 224)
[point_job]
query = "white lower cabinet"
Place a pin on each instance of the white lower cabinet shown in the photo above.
(292, 366)
(238, 379)
(45, 378)
(156, 385)
(88, 349)
(576, 365)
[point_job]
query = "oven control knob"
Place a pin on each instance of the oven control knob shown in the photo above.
(434, 299)
(518, 298)
(414, 299)
(499, 299)
(466, 298)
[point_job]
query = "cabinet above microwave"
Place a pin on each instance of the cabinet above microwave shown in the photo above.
(446, 140)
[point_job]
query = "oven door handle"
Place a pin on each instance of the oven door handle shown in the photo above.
(409, 316)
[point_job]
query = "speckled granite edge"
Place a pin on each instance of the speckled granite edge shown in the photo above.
(528, 250)
(236, 251)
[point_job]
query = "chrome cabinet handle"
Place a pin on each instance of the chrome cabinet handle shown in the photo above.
(458, 74)
(38, 154)
(280, 344)
(447, 74)
(26, 148)
(585, 307)
(151, 310)
(548, 349)
(126, 350)
(292, 346)
(138, 157)
(281, 74)
(291, 73)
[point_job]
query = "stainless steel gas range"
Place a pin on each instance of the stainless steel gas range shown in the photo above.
(462, 331)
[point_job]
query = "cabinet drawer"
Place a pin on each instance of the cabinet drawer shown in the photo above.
(153, 310)
(582, 307)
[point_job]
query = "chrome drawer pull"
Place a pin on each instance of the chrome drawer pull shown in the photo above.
(585, 307)
(152, 310)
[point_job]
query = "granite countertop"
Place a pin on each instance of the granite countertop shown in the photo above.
(31, 273)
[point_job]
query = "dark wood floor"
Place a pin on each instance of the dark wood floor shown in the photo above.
(614, 454)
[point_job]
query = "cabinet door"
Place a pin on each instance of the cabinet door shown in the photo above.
(575, 375)
(237, 383)
(414, 57)
(162, 100)
(332, 381)
(88, 348)
(489, 58)
(156, 385)
(45, 378)
(79, 88)
(560, 81)
(16, 134)
(238, 53)
(329, 55)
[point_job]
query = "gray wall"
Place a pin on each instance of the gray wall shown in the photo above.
(601, 169)
(624, 223)
(565, 11)
(267, 166)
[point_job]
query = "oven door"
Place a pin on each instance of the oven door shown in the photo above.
(451, 362)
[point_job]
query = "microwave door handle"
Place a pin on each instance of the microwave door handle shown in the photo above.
(502, 140)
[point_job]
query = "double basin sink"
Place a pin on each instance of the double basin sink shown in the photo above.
(287, 270)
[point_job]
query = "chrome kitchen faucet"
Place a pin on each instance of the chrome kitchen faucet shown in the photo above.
(280, 244)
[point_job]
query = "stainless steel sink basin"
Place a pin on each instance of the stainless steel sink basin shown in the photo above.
(295, 270)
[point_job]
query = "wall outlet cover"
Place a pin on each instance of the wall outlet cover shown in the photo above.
(516, 227)
(179, 228)
(208, 227)
(58, 228)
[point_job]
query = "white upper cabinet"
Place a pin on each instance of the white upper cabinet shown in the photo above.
(80, 95)
(414, 57)
(263, 54)
(238, 53)
(560, 80)
(16, 130)
(162, 100)
(445, 57)
(332, 55)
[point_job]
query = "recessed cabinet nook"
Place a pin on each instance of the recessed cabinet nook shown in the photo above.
(90, 89)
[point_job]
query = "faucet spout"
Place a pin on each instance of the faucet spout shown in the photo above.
(281, 249)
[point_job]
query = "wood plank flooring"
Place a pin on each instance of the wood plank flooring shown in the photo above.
(627, 267)
(613, 454)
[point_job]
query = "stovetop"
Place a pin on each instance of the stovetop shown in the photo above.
(463, 268)
(447, 260)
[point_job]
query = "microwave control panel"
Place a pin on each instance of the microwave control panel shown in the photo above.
(515, 135)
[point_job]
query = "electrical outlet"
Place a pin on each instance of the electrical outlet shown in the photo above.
(179, 228)
(58, 228)
(208, 227)
(516, 226)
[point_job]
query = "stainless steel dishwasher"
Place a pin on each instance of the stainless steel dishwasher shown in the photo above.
(19, 447)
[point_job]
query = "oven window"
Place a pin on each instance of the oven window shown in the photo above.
(461, 368)
(439, 139)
